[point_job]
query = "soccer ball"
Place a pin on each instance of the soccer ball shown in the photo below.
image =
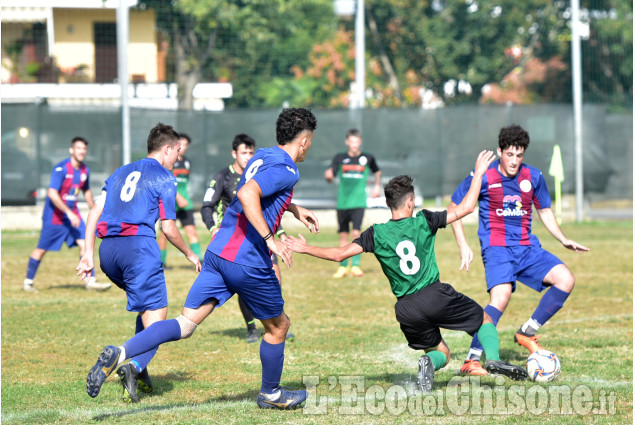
(543, 366)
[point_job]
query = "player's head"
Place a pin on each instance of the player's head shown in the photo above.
(78, 149)
(185, 141)
(512, 143)
(243, 147)
(354, 141)
(295, 124)
(164, 139)
(398, 190)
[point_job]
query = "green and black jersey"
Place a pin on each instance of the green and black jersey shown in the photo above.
(405, 250)
(353, 173)
(219, 195)
(181, 171)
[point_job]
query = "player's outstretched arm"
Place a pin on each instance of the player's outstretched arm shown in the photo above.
(465, 252)
(87, 262)
(548, 218)
(467, 205)
(341, 253)
(174, 236)
(306, 216)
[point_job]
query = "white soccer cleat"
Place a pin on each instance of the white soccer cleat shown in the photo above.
(28, 286)
(96, 286)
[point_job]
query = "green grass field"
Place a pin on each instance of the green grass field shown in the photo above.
(346, 335)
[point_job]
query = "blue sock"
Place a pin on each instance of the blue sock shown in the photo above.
(551, 302)
(31, 269)
(272, 359)
(141, 361)
(157, 333)
(495, 314)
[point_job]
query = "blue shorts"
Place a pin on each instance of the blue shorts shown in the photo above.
(528, 264)
(220, 279)
(54, 235)
(133, 263)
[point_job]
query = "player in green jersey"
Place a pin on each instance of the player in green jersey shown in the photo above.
(184, 206)
(353, 168)
(404, 247)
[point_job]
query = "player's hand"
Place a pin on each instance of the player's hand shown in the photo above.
(85, 267)
(308, 218)
(75, 220)
(193, 258)
(280, 249)
(328, 175)
(214, 231)
(574, 246)
(467, 256)
(181, 202)
(296, 245)
(484, 159)
(376, 192)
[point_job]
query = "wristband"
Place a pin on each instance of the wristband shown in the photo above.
(268, 236)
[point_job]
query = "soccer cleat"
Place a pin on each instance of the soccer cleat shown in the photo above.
(28, 286)
(253, 335)
(105, 364)
(340, 273)
(473, 367)
(425, 376)
(287, 399)
(527, 341)
(128, 377)
(144, 382)
(96, 286)
(499, 367)
(356, 271)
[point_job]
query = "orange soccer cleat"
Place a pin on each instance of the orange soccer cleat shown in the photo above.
(473, 367)
(527, 341)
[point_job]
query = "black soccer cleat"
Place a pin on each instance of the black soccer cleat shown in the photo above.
(253, 335)
(128, 378)
(499, 367)
(144, 382)
(425, 377)
(287, 400)
(103, 368)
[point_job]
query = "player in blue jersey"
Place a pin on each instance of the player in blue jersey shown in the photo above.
(404, 247)
(133, 198)
(238, 261)
(509, 251)
(61, 221)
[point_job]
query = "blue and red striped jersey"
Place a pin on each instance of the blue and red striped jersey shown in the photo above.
(237, 240)
(68, 181)
(505, 205)
(138, 194)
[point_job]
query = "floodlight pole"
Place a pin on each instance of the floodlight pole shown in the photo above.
(360, 52)
(576, 62)
(123, 30)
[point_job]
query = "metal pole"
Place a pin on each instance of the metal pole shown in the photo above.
(576, 61)
(123, 29)
(360, 52)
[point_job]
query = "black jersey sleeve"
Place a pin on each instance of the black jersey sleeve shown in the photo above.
(367, 240)
(372, 163)
(211, 199)
(436, 219)
(336, 162)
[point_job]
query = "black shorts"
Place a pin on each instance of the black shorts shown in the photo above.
(186, 217)
(345, 217)
(436, 306)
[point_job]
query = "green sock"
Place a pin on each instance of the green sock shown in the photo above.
(344, 263)
(164, 254)
(196, 248)
(488, 337)
(438, 359)
(356, 259)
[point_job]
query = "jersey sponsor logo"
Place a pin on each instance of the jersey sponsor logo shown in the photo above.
(352, 168)
(69, 176)
(525, 185)
(512, 207)
(494, 185)
(291, 169)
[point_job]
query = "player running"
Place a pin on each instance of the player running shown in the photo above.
(510, 252)
(404, 247)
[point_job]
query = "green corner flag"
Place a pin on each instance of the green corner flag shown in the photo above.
(556, 169)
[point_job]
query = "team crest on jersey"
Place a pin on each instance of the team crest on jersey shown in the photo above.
(512, 206)
(83, 177)
(363, 160)
(525, 186)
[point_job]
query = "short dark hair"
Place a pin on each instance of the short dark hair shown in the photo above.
(243, 139)
(513, 135)
(397, 190)
(293, 121)
(161, 135)
(186, 137)
(353, 132)
(79, 139)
